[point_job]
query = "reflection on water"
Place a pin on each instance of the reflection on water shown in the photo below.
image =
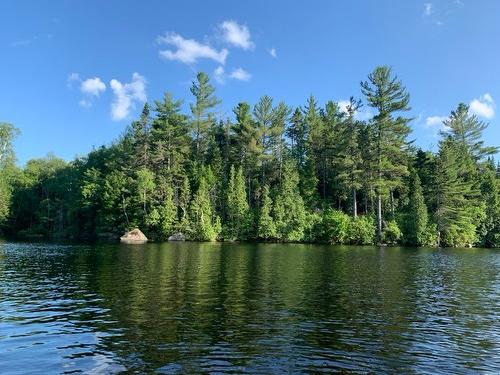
(247, 308)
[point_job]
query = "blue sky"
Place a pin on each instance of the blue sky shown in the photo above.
(73, 74)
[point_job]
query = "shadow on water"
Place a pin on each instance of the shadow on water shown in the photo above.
(247, 308)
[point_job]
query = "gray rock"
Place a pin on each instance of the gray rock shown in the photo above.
(177, 237)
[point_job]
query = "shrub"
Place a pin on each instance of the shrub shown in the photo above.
(391, 233)
(313, 229)
(335, 227)
(362, 230)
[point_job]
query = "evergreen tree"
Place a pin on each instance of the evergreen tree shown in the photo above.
(456, 215)
(163, 216)
(387, 95)
(466, 130)
(141, 138)
(417, 216)
(145, 187)
(170, 139)
(348, 155)
(237, 212)
(202, 115)
(266, 229)
(247, 146)
(490, 192)
(288, 211)
(182, 202)
(205, 225)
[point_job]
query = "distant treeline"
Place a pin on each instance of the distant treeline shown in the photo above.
(270, 173)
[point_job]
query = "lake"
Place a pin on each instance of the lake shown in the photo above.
(191, 308)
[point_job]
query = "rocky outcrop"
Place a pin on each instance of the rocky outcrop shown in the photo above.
(135, 236)
(177, 237)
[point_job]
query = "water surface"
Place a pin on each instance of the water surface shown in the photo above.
(247, 308)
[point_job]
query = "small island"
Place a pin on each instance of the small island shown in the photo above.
(271, 173)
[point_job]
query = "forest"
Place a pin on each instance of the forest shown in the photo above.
(269, 173)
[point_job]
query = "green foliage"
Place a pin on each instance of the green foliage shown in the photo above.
(417, 216)
(7, 169)
(362, 230)
(458, 209)
(317, 175)
(288, 211)
(387, 95)
(237, 210)
(205, 225)
(266, 229)
(163, 217)
(391, 233)
(335, 227)
(203, 117)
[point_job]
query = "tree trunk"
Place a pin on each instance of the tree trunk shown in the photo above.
(379, 217)
(125, 211)
(354, 203)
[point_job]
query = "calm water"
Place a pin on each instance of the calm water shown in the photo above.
(247, 308)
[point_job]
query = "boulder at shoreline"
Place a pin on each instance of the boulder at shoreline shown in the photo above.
(135, 236)
(177, 237)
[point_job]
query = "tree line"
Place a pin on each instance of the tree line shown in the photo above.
(269, 173)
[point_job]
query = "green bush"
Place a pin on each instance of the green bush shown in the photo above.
(391, 233)
(312, 231)
(362, 230)
(429, 237)
(459, 236)
(335, 227)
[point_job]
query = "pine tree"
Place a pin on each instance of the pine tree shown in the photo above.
(237, 210)
(205, 225)
(145, 187)
(182, 202)
(298, 134)
(163, 215)
(303, 156)
(141, 139)
(417, 216)
(386, 93)
(466, 130)
(247, 147)
(490, 192)
(170, 139)
(266, 229)
(348, 155)
(288, 211)
(456, 215)
(202, 115)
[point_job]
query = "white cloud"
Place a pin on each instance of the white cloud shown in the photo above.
(433, 121)
(127, 95)
(240, 74)
(273, 53)
(92, 86)
(237, 35)
(483, 106)
(435, 124)
(189, 50)
(219, 75)
(428, 9)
